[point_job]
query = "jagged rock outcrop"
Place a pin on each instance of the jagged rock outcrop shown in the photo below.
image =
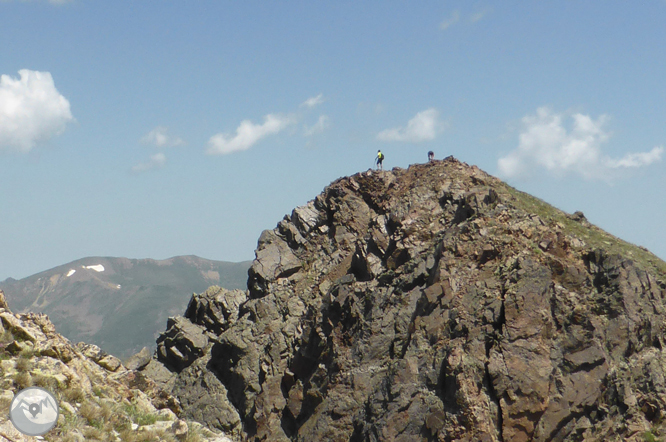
(99, 398)
(435, 304)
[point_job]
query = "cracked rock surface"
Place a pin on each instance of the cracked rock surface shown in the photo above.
(433, 303)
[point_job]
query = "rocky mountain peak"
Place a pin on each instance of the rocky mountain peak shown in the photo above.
(432, 303)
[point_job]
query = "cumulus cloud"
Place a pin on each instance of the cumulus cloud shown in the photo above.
(156, 161)
(313, 101)
(247, 134)
(159, 137)
(423, 127)
(32, 110)
(446, 24)
(545, 143)
(321, 125)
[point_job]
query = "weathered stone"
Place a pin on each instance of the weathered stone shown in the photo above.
(110, 362)
(138, 360)
(19, 329)
(306, 217)
(204, 398)
(3, 301)
(180, 429)
(430, 304)
(182, 343)
(216, 309)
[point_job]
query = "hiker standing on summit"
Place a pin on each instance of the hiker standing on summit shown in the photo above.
(380, 159)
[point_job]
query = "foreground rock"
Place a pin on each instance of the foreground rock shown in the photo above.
(99, 398)
(428, 304)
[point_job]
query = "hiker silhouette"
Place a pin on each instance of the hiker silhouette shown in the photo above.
(380, 160)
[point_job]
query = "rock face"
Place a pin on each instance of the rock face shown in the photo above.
(429, 304)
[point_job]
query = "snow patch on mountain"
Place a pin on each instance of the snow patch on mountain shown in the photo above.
(96, 267)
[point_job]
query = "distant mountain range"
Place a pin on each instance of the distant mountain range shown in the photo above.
(119, 304)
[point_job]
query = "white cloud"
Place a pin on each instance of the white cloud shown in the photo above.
(156, 161)
(480, 15)
(423, 127)
(32, 110)
(247, 134)
(446, 24)
(313, 101)
(546, 144)
(634, 160)
(321, 125)
(159, 137)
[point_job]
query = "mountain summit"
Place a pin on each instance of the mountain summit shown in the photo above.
(434, 303)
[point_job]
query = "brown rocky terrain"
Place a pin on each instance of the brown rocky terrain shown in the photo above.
(434, 303)
(99, 398)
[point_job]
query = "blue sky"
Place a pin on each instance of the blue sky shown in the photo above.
(152, 129)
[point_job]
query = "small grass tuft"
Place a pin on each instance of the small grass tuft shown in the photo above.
(73, 395)
(23, 380)
(27, 353)
(138, 417)
(6, 337)
(5, 402)
(648, 436)
(99, 392)
(92, 413)
(70, 423)
(192, 435)
(47, 382)
(23, 365)
(92, 433)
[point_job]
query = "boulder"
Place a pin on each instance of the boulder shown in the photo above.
(138, 360)
(181, 344)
